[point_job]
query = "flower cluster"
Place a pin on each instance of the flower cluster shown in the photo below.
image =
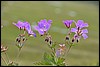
(25, 26)
(78, 30)
(43, 27)
(56, 56)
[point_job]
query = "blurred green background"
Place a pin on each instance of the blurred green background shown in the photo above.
(86, 53)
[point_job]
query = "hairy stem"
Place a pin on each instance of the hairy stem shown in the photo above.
(7, 56)
(18, 54)
(4, 60)
(68, 50)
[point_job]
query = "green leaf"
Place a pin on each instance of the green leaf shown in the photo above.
(49, 59)
(61, 61)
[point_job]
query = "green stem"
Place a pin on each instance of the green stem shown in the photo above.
(4, 60)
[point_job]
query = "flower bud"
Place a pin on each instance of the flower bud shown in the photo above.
(18, 40)
(50, 42)
(3, 49)
(67, 38)
(47, 39)
(41, 35)
(73, 40)
(77, 40)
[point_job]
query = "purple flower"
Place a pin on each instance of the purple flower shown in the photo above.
(43, 26)
(81, 24)
(68, 23)
(26, 26)
(28, 29)
(20, 25)
(79, 31)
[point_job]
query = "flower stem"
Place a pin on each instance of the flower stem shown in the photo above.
(18, 54)
(7, 56)
(68, 50)
(24, 32)
(4, 60)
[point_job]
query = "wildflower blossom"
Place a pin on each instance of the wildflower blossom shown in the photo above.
(79, 31)
(20, 25)
(80, 24)
(26, 26)
(28, 29)
(43, 26)
(68, 23)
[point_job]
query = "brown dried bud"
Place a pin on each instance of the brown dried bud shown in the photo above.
(47, 39)
(18, 40)
(50, 42)
(62, 46)
(67, 38)
(73, 40)
(41, 35)
(23, 39)
(77, 40)
(3, 49)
